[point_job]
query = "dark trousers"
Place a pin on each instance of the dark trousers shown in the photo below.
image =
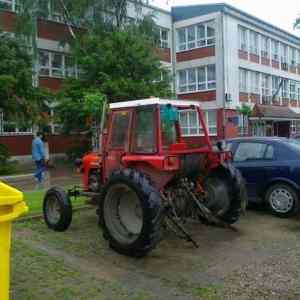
(40, 169)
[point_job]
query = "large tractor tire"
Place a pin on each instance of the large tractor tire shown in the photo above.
(57, 209)
(130, 212)
(226, 193)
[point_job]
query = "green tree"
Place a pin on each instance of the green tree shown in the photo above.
(122, 65)
(245, 111)
(19, 99)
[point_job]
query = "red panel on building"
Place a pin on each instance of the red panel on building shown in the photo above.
(54, 31)
(200, 96)
(294, 103)
(285, 102)
(226, 127)
(275, 64)
(53, 84)
(195, 54)
(164, 54)
(7, 21)
(265, 61)
(243, 97)
(243, 54)
(254, 58)
(255, 98)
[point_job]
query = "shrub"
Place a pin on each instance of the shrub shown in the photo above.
(6, 167)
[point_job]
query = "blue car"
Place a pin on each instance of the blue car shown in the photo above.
(271, 169)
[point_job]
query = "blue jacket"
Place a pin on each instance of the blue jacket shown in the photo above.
(38, 151)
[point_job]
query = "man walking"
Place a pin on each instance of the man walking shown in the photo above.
(38, 155)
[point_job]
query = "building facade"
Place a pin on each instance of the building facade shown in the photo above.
(217, 55)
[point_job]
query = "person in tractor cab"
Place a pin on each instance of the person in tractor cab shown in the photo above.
(38, 156)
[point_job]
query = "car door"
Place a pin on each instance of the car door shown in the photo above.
(255, 160)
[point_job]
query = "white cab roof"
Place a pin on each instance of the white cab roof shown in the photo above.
(152, 101)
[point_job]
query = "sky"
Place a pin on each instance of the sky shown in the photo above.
(279, 13)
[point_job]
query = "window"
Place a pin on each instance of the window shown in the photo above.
(298, 93)
(196, 36)
(164, 38)
(275, 50)
(250, 151)
(119, 135)
(56, 11)
(265, 89)
(293, 94)
(264, 47)
(144, 131)
(56, 64)
(181, 39)
(12, 5)
(254, 42)
(8, 127)
(265, 85)
(243, 81)
(6, 4)
(275, 86)
(254, 82)
(283, 51)
(298, 59)
(285, 89)
(190, 126)
(197, 79)
(293, 57)
(243, 38)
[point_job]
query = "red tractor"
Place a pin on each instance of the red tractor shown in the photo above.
(147, 176)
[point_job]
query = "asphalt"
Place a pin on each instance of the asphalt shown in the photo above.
(58, 176)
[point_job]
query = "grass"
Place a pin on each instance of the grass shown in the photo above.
(34, 200)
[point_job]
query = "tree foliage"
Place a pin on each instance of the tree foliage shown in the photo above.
(297, 23)
(19, 100)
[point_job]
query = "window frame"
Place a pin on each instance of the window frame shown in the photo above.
(243, 39)
(198, 41)
(164, 43)
(17, 131)
(64, 67)
(212, 129)
(184, 88)
(254, 37)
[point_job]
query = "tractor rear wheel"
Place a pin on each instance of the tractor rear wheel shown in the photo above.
(226, 194)
(131, 213)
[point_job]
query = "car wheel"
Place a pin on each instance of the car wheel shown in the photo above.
(282, 200)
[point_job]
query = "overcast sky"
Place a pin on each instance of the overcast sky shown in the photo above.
(279, 13)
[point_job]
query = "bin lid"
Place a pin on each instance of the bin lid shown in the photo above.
(9, 195)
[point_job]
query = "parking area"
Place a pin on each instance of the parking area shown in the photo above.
(260, 260)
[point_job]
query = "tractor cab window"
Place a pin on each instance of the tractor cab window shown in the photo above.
(144, 131)
(168, 119)
(120, 124)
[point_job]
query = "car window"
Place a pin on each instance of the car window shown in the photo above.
(250, 151)
(270, 152)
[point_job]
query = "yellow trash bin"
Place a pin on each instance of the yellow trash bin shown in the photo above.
(11, 207)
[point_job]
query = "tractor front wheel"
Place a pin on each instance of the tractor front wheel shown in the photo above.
(57, 209)
(131, 212)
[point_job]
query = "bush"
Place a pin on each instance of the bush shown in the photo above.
(4, 154)
(6, 168)
(78, 151)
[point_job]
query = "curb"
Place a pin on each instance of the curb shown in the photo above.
(17, 177)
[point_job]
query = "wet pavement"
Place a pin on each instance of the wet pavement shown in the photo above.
(60, 176)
